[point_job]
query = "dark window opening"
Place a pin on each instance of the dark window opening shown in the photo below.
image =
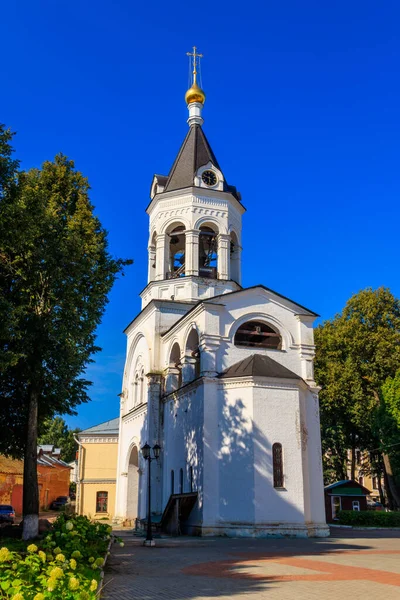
(191, 478)
(277, 461)
(177, 252)
(181, 481)
(208, 253)
(255, 334)
(101, 502)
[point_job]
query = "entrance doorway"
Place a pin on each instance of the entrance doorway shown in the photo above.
(133, 485)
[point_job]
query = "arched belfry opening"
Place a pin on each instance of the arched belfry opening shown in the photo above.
(208, 252)
(257, 334)
(133, 484)
(177, 260)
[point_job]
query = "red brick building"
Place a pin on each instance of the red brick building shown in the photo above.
(344, 495)
(53, 478)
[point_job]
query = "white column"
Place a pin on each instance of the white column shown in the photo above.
(152, 261)
(208, 356)
(162, 256)
(223, 256)
(192, 251)
(188, 369)
(171, 379)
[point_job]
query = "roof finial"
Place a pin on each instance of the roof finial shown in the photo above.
(194, 61)
(195, 97)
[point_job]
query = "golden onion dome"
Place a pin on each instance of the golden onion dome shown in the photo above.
(195, 94)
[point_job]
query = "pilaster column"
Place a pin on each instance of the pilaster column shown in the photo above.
(161, 257)
(223, 256)
(208, 356)
(152, 253)
(172, 379)
(188, 369)
(192, 251)
(154, 437)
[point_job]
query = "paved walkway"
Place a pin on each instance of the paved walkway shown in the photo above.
(356, 565)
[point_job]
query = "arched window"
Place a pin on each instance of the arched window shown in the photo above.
(181, 481)
(136, 388)
(142, 387)
(177, 252)
(208, 252)
(172, 482)
(256, 334)
(277, 462)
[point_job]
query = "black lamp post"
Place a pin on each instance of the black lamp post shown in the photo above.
(146, 451)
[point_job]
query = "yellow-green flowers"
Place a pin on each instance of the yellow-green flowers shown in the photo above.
(72, 564)
(39, 596)
(60, 557)
(73, 583)
(122, 544)
(93, 585)
(76, 554)
(32, 548)
(5, 555)
(56, 573)
(69, 525)
(18, 596)
(42, 556)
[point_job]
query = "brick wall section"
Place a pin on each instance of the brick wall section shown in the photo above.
(53, 482)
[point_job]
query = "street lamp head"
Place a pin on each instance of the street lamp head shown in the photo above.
(156, 450)
(146, 451)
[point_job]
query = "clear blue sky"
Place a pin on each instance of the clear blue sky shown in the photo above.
(302, 112)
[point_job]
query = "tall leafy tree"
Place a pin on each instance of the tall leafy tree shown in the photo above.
(56, 432)
(355, 354)
(55, 275)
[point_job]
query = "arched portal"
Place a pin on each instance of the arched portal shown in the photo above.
(133, 484)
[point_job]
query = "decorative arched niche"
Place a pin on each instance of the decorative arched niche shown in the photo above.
(191, 360)
(258, 334)
(173, 379)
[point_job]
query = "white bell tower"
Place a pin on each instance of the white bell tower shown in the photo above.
(195, 219)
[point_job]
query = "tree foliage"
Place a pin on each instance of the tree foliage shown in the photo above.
(55, 274)
(356, 352)
(56, 432)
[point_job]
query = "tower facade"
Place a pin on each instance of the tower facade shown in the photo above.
(219, 376)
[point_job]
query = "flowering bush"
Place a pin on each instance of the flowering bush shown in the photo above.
(66, 564)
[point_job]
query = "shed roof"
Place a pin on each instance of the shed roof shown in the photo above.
(258, 365)
(108, 427)
(347, 487)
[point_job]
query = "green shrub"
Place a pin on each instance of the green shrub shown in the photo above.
(65, 565)
(369, 518)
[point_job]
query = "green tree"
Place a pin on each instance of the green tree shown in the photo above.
(356, 352)
(56, 432)
(55, 275)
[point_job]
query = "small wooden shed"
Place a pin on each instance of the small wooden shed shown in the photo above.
(344, 495)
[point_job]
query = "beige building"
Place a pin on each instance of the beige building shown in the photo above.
(364, 475)
(97, 470)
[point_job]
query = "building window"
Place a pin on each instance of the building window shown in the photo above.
(208, 253)
(255, 334)
(277, 462)
(356, 505)
(181, 481)
(375, 483)
(172, 482)
(361, 480)
(177, 253)
(101, 502)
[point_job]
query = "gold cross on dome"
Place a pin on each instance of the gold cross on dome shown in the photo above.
(195, 56)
